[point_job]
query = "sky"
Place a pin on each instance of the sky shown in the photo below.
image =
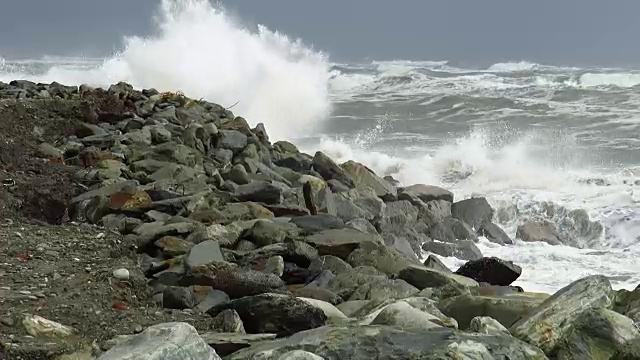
(570, 32)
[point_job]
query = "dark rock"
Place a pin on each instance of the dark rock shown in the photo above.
(474, 211)
(331, 263)
(329, 170)
(232, 280)
(228, 343)
(424, 193)
(284, 210)
(294, 274)
(316, 223)
(176, 297)
(463, 250)
(279, 314)
(259, 191)
(494, 233)
(491, 270)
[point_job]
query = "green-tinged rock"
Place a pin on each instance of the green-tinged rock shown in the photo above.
(422, 277)
(597, 334)
(363, 176)
(383, 258)
(551, 321)
(386, 342)
(505, 309)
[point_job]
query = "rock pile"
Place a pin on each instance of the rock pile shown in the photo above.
(293, 256)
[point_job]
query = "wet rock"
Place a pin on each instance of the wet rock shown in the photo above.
(491, 270)
(274, 313)
(451, 230)
(538, 231)
(464, 250)
(494, 233)
(474, 211)
(424, 193)
(552, 319)
(364, 177)
(228, 321)
(329, 170)
(168, 341)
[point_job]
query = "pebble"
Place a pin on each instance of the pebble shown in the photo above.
(121, 274)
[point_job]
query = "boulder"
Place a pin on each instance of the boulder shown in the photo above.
(267, 232)
(168, 341)
(386, 342)
(550, 322)
(397, 216)
(364, 177)
(494, 233)
(204, 253)
(234, 281)
(422, 277)
(424, 193)
(340, 242)
(433, 262)
(473, 211)
(380, 288)
(381, 257)
(487, 325)
(329, 170)
(405, 317)
(597, 334)
(316, 223)
(260, 191)
(227, 343)
(331, 263)
(491, 270)
(279, 314)
(228, 321)
(463, 250)
(506, 309)
(232, 140)
(332, 313)
(538, 231)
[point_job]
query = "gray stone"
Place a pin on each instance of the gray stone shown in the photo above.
(267, 232)
(424, 193)
(552, 319)
(381, 257)
(329, 170)
(597, 334)
(422, 277)
(451, 230)
(364, 177)
(362, 225)
(331, 263)
(433, 262)
(137, 137)
(48, 151)
(494, 233)
(331, 312)
(177, 297)
(464, 250)
(397, 216)
(487, 325)
(168, 341)
(380, 288)
(274, 265)
(386, 342)
(274, 313)
(405, 317)
(228, 343)
(434, 212)
(402, 245)
(204, 253)
(228, 321)
(232, 140)
(159, 134)
(260, 191)
(238, 174)
(316, 223)
(213, 298)
(533, 231)
(473, 211)
(299, 355)
(340, 242)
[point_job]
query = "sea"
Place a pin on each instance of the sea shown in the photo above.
(540, 142)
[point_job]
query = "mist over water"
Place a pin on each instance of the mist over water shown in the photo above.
(540, 142)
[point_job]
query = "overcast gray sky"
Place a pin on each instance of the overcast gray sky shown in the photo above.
(466, 31)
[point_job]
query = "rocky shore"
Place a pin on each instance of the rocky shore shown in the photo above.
(136, 224)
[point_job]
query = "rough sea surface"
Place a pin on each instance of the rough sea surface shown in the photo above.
(540, 142)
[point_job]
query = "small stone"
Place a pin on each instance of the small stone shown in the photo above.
(121, 274)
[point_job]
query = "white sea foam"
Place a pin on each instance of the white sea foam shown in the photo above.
(201, 51)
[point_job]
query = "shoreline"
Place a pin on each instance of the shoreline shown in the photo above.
(248, 239)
